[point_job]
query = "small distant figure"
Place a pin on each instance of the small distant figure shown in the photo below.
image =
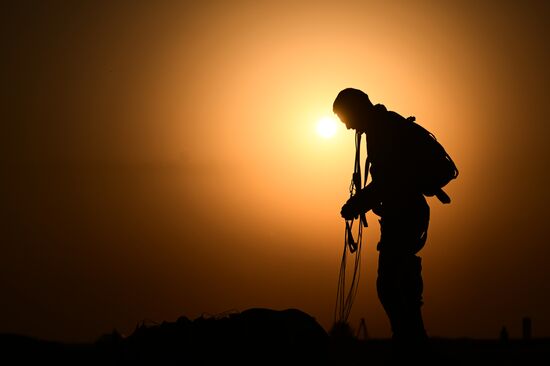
(406, 164)
(504, 337)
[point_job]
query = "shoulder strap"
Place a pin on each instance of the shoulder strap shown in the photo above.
(367, 168)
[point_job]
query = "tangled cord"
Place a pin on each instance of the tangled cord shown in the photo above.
(344, 302)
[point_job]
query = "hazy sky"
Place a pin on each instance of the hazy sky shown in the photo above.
(161, 160)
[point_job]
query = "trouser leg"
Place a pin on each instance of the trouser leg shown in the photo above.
(400, 286)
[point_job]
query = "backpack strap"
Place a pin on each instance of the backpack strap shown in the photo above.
(367, 168)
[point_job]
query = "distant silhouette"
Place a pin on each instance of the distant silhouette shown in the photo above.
(406, 163)
(256, 336)
(504, 337)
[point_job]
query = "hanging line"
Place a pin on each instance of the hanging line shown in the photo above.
(344, 301)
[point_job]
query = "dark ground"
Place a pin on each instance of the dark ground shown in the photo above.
(262, 337)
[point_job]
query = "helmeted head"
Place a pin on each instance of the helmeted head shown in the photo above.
(353, 107)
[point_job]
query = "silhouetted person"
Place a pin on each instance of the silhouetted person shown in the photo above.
(396, 195)
(504, 337)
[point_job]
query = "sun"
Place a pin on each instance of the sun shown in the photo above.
(327, 126)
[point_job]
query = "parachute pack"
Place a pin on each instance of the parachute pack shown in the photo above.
(429, 166)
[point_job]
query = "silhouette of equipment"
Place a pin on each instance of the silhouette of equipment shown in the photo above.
(355, 187)
(344, 301)
(362, 333)
(256, 336)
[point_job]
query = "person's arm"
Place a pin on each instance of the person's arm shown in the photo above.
(363, 201)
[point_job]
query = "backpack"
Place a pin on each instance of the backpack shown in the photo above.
(431, 166)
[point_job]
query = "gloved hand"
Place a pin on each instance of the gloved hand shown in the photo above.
(350, 210)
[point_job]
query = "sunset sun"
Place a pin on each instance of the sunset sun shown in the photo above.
(326, 127)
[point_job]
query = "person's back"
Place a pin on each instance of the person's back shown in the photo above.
(402, 203)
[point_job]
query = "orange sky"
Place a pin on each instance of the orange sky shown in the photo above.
(163, 161)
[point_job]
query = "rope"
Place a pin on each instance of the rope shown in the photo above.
(344, 302)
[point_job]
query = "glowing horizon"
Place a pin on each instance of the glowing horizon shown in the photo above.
(165, 160)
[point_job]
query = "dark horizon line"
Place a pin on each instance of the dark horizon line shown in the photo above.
(541, 339)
